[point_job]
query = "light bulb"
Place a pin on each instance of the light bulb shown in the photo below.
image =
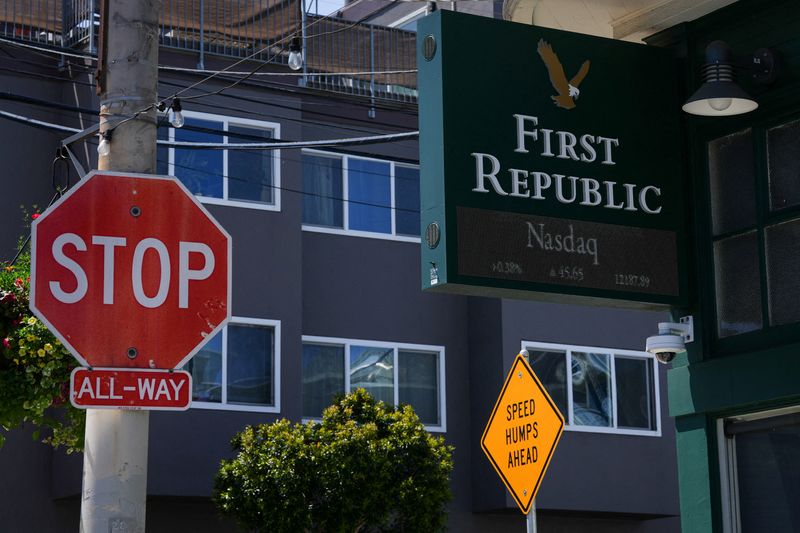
(295, 60)
(104, 148)
(176, 119)
(720, 104)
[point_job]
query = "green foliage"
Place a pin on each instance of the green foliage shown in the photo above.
(365, 467)
(34, 367)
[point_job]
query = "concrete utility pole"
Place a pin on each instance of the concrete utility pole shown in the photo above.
(115, 457)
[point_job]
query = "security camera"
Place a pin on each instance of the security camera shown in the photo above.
(671, 339)
(665, 347)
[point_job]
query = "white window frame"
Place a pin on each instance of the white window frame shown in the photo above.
(612, 353)
(393, 236)
(416, 14)
(729, 475)
(396, 347)
(236, 121)
(223, 404)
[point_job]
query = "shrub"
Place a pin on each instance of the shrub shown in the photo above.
(365, 467)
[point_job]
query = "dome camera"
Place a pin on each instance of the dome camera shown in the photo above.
(665, 346)
(671, 339)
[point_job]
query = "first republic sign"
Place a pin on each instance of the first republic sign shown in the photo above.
(550, 165)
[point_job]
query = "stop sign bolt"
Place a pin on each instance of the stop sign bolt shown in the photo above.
(136, 211)
(132, 352)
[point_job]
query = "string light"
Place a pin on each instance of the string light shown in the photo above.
(176, 114)
(104, 148)
(296, 54)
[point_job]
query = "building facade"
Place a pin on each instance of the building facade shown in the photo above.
(326, 292)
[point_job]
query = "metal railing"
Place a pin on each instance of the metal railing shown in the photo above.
(361, 59)
(340, 56)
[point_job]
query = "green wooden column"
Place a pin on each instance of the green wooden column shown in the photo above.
(694, 467)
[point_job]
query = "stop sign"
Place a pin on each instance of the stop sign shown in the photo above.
(130, 271)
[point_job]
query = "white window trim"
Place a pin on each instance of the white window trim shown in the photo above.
(396, 346)
(223, 405)
(236, 121)
(419, 13)
(393, 236)
(633, 354)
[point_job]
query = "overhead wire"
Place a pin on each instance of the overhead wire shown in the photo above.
(68, 111)
(232, 146)
(295, 191)
(208, 78)
(66, 107)
(251, 56)
(206, 71)
(51, 126)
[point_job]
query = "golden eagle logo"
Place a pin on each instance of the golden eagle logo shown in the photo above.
(567, 91)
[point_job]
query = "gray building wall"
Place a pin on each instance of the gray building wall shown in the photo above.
(348, 287)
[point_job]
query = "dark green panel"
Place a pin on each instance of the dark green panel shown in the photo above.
(488, 98)
(736, 383)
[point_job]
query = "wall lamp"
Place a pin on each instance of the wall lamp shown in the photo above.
(720, 95)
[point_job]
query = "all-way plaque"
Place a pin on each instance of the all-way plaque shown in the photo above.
(117, 388)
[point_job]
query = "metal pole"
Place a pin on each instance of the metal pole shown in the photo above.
(115, 457)
(530, 518)
(371, 112)
(90, 16)
(201, 65)
(303, 20)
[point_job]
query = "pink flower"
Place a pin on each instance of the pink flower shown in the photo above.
(6, 343)
(18, 282)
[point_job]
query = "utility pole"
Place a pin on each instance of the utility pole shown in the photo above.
(115, 458)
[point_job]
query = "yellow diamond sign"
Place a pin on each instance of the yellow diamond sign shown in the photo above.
(522, 433)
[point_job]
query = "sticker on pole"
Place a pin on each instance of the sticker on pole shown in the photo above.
(522, 433)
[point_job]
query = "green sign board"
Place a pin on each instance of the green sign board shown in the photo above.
(550, 164)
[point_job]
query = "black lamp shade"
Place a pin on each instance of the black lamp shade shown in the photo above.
(719, 98)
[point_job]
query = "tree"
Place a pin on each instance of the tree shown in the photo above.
(34, 367)
(365, 467)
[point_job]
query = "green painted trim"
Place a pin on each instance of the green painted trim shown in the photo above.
(750, 381)
(431, 143)
(694, 467)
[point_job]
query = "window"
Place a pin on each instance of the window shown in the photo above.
(760, 471)
(754, 227)
(239, 368)
(361, 196)
(244, 178)
(599, 389)
(393, 373)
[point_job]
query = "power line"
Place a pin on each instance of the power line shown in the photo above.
(290, 74)
(234, 146)
(288, 189)
(56, 105)
(210, 71)
(62, 109)
(247, 58)
(48, 125)
(266, 101)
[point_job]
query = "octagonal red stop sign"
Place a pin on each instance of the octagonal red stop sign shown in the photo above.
(130, 271)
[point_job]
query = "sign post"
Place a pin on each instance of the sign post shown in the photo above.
(521, 435)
